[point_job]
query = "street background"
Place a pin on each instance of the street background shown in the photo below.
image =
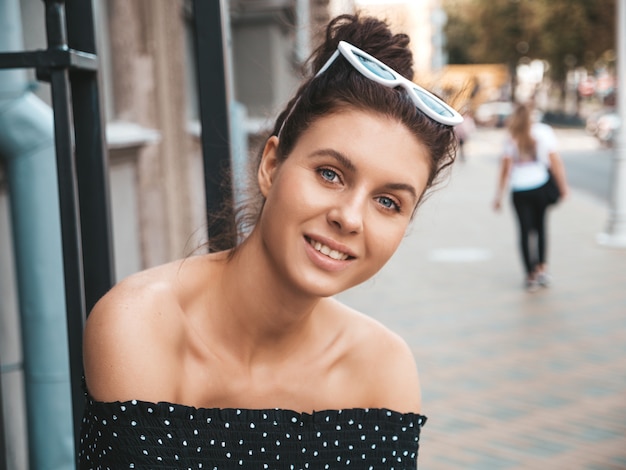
(510, 379)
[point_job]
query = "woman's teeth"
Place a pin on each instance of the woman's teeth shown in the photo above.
(334, 254)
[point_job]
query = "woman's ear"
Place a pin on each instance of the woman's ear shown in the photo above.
(269, 165)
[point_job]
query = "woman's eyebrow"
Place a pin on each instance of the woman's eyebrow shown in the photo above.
(340, 157)
(403, 187)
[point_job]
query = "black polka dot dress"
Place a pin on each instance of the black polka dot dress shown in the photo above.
(144, 435)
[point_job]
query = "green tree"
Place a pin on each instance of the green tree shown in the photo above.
(461, 32)
(564, 33)
(575, 32)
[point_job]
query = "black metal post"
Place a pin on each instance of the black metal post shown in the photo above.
(69, 208)
(214, 117)
(72, 246)
(91, 158)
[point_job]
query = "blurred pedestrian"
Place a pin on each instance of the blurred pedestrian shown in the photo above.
(534, 171)
(463, 132)
(242, 358)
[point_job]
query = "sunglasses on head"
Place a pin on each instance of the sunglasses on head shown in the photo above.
(375, 70)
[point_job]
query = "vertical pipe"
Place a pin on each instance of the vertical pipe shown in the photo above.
(303, 28)
(27, 144)
(214, 95)
(615, 235)
(3, 451)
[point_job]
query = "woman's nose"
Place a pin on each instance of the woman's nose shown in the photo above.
(347, 214)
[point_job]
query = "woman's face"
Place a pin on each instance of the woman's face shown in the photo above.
(337, 208)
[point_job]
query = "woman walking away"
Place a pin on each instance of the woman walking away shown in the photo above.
(531, 166)
(242, 358)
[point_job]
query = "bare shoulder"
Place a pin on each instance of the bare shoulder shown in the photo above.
(130, 335)
(382, 362)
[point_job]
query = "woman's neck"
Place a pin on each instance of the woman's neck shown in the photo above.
(254, 311)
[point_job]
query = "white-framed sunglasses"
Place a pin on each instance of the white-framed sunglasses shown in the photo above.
(375, 70)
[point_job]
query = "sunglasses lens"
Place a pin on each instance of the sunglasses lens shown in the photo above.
(375, 68)
(433, 104)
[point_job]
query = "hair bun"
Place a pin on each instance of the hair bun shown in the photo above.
(371, 35)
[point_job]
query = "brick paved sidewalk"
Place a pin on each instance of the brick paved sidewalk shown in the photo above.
(511, 380)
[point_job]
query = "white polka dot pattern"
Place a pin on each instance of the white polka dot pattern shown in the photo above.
(138, 434)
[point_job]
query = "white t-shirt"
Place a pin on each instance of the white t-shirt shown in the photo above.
(526, 175)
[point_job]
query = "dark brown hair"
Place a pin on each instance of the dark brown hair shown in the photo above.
(519, 125)
(341, 87)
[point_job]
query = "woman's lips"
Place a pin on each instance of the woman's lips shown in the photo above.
(328, 251)
(326, 256)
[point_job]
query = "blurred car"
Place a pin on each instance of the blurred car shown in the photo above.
(604, 126)
(493, 113)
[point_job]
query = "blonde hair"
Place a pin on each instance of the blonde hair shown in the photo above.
(519, 126)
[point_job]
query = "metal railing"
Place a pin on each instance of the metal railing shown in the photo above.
(70, 65)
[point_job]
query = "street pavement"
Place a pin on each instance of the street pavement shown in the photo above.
(510, 379)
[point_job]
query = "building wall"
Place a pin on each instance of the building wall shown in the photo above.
(412, 18)
(263, 62)
(147, 44)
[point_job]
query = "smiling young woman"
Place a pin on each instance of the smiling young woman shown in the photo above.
(242, 358)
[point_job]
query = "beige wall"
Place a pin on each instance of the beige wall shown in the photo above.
(412, 18)
(147, 41)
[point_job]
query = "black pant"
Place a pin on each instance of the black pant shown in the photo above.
(530, 207)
